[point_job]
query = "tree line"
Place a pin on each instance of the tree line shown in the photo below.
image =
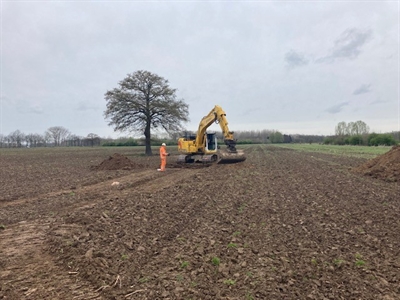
(55, 136)
(60, 137)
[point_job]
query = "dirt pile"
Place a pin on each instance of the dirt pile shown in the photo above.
(385, 166)
(117, 162)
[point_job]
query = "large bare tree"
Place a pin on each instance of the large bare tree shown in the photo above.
(145, 101)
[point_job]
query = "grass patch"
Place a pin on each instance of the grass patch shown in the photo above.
(360, 263)
(242, 207)
(143, 279)
(215, 261)
(232, 245)
(229, 282)
(338, 262)
(180, 239)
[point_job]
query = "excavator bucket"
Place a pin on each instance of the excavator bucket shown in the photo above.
(226, 157)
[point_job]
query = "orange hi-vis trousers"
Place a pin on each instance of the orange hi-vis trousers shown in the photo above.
(163, 164)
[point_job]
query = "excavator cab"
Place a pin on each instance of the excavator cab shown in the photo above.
(211, 142)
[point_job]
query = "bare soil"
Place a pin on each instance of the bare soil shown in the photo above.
(281, 225)
(385, 167)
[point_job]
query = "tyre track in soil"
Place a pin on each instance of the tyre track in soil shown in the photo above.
(27, 269)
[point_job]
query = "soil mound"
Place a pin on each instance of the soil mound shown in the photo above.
(385, 166)
(117, 162)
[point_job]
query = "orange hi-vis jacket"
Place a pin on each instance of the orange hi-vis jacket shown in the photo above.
(163, 152)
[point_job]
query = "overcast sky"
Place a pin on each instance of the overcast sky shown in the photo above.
(293, 66)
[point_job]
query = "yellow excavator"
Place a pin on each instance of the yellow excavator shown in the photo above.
(203, 147)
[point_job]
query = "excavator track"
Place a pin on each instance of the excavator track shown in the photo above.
(223, 157)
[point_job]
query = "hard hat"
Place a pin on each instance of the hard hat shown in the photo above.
(163, 144)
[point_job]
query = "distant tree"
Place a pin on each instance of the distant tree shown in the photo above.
(396, 135)
(93, 139)
(174, 135)
(276, 137)
(341, 129)
(34, 140)
(355, 140)
(38, 140)
(329, 140)
(2, 140)
(144, 101)
(58, 134)
(350, 128)
(29, 139)
(47, 137)
(264, 136)
(354, 133)
(16, 138)
(74, 140)
(375, 139)
(287, 138)
(360, 128)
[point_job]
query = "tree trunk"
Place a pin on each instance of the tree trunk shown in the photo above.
(147, 140)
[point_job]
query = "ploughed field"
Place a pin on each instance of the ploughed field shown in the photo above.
(283, 224)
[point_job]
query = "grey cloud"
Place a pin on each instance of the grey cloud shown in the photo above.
(295, 59)
(36, 109)
(251, 111)
(5, 100)
(348, 45)
(337, 108)
(82, 106)
(364, 88)
(378, 102)
(25, 108)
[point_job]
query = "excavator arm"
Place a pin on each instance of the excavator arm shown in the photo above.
(217, 115)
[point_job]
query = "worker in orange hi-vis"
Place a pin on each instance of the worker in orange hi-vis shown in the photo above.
(163, 156)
